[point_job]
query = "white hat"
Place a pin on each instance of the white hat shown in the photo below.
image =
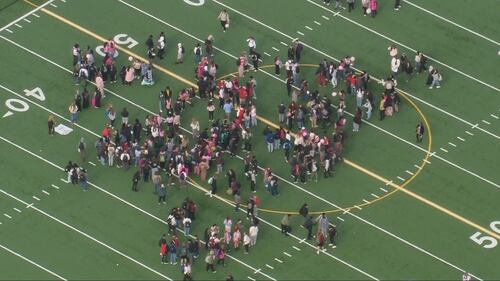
(179, 45)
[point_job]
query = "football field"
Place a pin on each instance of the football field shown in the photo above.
(403, 210)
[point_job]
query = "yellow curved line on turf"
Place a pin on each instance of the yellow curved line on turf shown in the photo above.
(364, 170)
(352, 164)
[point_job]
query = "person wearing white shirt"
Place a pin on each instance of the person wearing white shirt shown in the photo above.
(246, 242)
(251, 44)
(253, 231)
(395, 63)
(162, 42)
(187, 226)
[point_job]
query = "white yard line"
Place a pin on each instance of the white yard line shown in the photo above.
(417, 166)
(317, 22)
(36, 198)
(462, 139)
(7, 216)
(400, 178)
(92, 163)
(452, 144)
(325, 17)
(8, 30)
(283, 43)
(45, 192)
(296, 248)
(341, 219)
(276, 49)
(494, 116)
(32, 262)
(408, 172)
(375, 195)
(453, 23)
(267, 54)
(407, 47)
(113, 249)
(17, 210)
(268, 266)
(55, 186)
(308, 27)
(384, 190)
(18, 25)
(287, 254)
(442, 149)
(124, 201)
(300, 33)
(27, 20)
(486, 122)
(53, 5)
(278, 260)
(366, 201)
(35, 15)
(26, 15)
(270, 75)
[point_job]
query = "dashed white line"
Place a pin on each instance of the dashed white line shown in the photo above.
(287, 254)
(400, 178)
(298, 249)
(251, 278)
(36, 15)
(427, 161)
(9, 30)
(268, 266)
(462, 139)
(469, 133)
(276, 49)
(45, 192)
(308, 27)
(443, 149)
(9, 217)
(317, 22)
(408, 172)
(17, 210)
(366, 201)
(278, 260)
(486, 122)
(388, 183)
(494, 116)
(27, 20)
(267, 54)
(300, 33)
(384, 190)
(375, 195)
(65, 181)
(18, 25)
(53, 5)
(283, 43)
(92, 163)
(417, 166)
(325, 17)
(55, 186)
(357, 207)
(452, 144)
(36, 198)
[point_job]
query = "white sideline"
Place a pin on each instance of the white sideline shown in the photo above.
(32, 262)
(453, 23)
(84, 234)
(26, 15)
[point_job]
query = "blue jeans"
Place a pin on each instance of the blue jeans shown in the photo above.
(173, 257)
(73, 117)
(84, 185)
(187, 230)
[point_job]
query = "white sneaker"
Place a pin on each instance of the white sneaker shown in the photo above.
(438, 87)
(430, 88)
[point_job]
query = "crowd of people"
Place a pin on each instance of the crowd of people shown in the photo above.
(163, 156)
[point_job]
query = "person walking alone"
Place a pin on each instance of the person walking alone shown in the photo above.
(420, 131)
(51, 125)
(224, 20)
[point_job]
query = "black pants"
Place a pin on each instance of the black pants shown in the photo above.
(161, 198)
(309, 233)
(210, 115)
(161, 52)
(397, 4)
(210, 266)
(285, 229)
(277, 69)
(223, 23)
(350, 6)
(382, 114)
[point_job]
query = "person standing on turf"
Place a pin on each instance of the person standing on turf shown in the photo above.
(397, 5)
(212, 181)
(253, 231)
(162, 43)
(162, 194)
(252, 44)
(180, 53)
(420, 131)
(81, 149)
(246, 242)
(322, 223)
(308, 224)
(209, 260)
(163, 250)
(332, 234)
(51, 125)
(224, 19)
(73, 110)
(135, 180)
(285, 224)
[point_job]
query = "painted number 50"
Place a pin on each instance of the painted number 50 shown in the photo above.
(486, 241)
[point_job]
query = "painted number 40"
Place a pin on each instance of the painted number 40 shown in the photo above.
(486, 241)
(18, 105)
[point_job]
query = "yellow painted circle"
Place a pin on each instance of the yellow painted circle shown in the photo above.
(354, 207)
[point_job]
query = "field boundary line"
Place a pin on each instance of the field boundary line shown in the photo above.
(32, 262)
(26, 15)
(83, 233)
(452, 22)
(405, 46)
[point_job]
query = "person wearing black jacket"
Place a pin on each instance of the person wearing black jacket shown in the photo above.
(135, 181)
(308, 224)
(254, 57)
